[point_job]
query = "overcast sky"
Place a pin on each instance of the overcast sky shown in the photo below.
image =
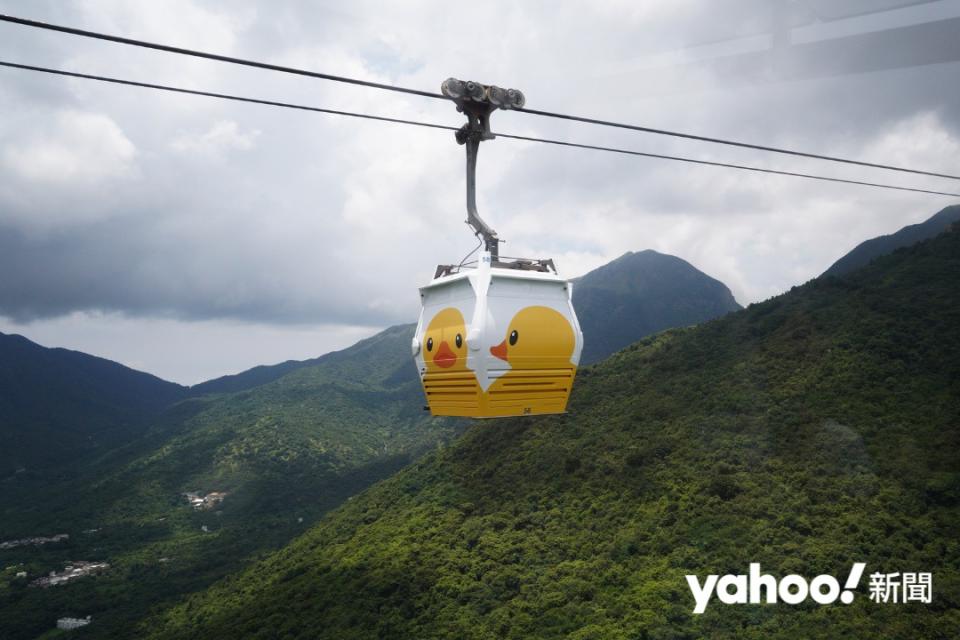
(191, 237)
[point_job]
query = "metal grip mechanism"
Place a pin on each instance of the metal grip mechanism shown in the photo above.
(477, 101)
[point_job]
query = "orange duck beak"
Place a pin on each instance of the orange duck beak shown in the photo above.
(445, 356)
(500, 351)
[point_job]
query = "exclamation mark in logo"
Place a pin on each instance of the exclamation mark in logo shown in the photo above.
(852, 580)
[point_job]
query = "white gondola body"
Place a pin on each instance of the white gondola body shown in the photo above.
(494, 341)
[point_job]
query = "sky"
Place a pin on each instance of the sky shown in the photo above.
(191, 237)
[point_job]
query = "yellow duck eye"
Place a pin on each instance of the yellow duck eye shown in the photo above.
(513, 337)
(429, 344)
(459, 340)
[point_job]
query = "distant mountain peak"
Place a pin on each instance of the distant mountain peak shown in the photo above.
(641, 293)
(57, 404)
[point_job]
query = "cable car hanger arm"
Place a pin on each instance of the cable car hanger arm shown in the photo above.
(477, 101)
(483, 231)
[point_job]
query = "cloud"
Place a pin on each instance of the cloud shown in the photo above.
(915, 140)
(223, 136)
(126, 201)
(58, 165)
(79, 148)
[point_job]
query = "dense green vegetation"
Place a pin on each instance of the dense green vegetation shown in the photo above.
(287, 442)
(640, 294)
(292, 441)
(806, 433)
(285, 453)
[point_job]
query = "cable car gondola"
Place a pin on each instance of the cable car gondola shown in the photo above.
(498, 337)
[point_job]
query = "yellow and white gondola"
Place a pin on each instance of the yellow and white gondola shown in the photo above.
(499, 337)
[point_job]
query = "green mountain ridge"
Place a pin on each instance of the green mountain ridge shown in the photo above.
(640, 294)
(57, 405)
(285, 442)
(238, 415)
(631, 297)
(807, 432)
(868, 250)
(249, 378)
(283, 453)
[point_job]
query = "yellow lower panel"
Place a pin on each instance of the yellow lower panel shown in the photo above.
(516, 393)
(452, 394)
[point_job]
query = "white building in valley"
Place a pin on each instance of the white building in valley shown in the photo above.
(73, 623)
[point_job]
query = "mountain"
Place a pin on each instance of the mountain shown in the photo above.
(868, 250)
(250, 378)
(285, 444)
(279, 455)
(58, 405)
(806, 433)
(640, 294)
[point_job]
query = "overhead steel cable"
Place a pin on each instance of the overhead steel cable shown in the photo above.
(726, 165)
(222, 96)
(735, 143)
(214, 56)
(430, 94)
(431, 125)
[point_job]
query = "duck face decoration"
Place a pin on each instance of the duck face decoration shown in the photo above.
(505, 346)
(444, 342)
(537, 338)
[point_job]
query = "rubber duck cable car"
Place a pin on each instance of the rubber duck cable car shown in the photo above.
(498, 337)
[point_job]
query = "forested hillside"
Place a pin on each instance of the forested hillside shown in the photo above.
(808, 432)
(58, 406)
(270, 460)
(276, 446)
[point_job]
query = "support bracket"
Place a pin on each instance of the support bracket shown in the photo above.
(477, 101)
